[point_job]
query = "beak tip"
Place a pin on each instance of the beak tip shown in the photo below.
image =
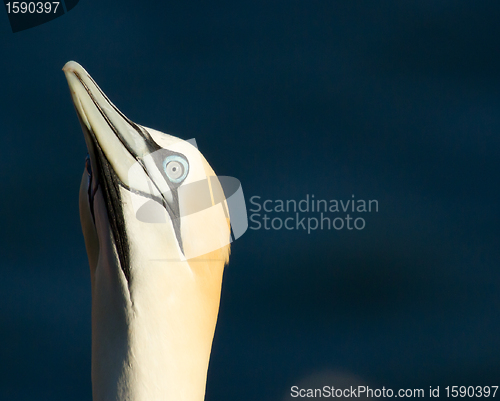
(71, 66)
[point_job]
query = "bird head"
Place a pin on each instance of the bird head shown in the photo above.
(157, 234)
(152, 186)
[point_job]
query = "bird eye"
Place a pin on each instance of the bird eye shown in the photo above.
(176, 168)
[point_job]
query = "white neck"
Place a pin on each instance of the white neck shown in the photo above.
(151, 335)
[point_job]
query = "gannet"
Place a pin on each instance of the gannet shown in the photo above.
(157, 240)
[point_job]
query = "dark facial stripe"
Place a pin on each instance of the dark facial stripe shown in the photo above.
(109, 183)
(92, 186)
(152, 146)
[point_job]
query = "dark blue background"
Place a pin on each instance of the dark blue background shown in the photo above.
(394, 101)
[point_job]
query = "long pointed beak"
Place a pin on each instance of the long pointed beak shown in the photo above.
(122, 153)
(121, 141)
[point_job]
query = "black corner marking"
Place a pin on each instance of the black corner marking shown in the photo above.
(30, 13)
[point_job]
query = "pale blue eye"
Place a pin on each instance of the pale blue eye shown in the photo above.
(176, 168)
